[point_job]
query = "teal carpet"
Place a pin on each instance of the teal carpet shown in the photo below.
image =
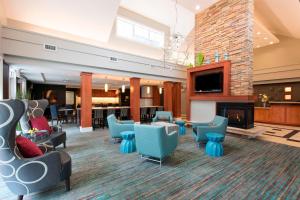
(250, 169)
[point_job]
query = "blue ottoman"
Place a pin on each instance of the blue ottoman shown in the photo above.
(214, 146)
(181, 125)
(128, 142)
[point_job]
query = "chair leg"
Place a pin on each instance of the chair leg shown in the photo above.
(68, 183)
(20, 197)
(64, 145)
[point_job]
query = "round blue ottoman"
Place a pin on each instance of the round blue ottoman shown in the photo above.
(128, 142)
(181, 125)
(214, 146)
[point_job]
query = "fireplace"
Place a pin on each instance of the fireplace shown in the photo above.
(240, 115)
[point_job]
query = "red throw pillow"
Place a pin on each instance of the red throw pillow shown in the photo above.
(27, 148)
(40, 123)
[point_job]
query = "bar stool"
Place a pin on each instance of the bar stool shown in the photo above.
(98, 117)
(160, 108)
(144, 114)
(124, 113)
(152, 112)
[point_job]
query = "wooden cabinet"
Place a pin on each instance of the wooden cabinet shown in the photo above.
(102, 93)
(286, 114)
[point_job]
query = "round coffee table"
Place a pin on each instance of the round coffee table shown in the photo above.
(181, 124)
(214, 146)
(128, 142)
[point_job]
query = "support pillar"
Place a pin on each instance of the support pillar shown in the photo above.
(168, 96)
(156, 96)
(177, 99)
(135, 99)
(86, 102)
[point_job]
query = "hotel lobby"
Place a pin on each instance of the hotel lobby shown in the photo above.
(140, 99)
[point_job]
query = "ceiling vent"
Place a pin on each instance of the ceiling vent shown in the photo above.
(113, 59)
(50, 47)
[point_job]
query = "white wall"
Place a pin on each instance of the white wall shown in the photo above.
(277, 63)
(203, 111)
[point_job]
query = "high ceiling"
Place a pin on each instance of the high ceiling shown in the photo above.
(281, 17)
(93, 20)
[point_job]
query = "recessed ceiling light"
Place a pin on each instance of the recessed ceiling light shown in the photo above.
(271, 42)
(197, 7)
(258, 33)
(257, 46)
(265, 38)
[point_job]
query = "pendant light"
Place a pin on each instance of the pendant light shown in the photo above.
(123, 88)
(106, 87)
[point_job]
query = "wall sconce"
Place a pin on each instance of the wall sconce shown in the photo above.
(123, 88)
(106, 87)
(160, 90)
(287, 97)
(288, 89)
(148, 89)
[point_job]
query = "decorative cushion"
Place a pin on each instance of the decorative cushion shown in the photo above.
(40, 123)
(27, 148)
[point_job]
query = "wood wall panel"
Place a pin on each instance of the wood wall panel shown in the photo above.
(86, 99)
(156, 96)
(177, 99)
(135, 99)
(102, 93)
(168, 96)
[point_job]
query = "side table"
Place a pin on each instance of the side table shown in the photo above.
(214, 146)
(128, 142)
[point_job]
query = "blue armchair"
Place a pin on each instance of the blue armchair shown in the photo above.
(163, 116)
(116, 127)
(218, 125)
(154, 142)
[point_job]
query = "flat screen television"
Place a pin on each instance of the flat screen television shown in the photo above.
(209, 83)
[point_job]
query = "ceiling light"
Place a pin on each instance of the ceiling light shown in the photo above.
(271, 42)
(160, 90)
(265, 38)
(257, 46)
(123, 88)
(106, 87)
(197, 7)
(258, 33)
(148, 89)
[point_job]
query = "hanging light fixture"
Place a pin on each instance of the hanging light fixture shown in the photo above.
(106, 87)
(123, 88)
(160, 90)
(148, 89)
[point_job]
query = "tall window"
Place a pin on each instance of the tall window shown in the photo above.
(139, 33)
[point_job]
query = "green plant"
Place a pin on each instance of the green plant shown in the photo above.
(199, 59)
(21, 95)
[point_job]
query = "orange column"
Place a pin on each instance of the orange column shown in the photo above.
(177, 99)
(168, 96)
(135, 99)
(156, 96)
(86, 102)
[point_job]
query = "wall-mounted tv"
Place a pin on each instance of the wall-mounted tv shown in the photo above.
(209, 82)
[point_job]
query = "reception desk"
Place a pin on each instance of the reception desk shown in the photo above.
(285, 113)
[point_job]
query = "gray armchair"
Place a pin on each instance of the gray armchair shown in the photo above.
(24, 176)
(36, 108)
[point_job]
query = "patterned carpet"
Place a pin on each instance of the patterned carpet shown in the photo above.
(250, 169)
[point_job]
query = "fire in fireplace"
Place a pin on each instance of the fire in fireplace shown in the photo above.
(240, 115)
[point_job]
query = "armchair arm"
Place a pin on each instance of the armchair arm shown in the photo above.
(207, 129)
(195, 124)
(48, 168)
(172, 139)
(171, 119)
(124, 127)
(126, 122)
(154, 119)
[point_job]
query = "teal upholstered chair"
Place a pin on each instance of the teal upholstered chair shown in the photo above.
(153, 143)
(218, 125)
(116, 127)
(163, 116)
